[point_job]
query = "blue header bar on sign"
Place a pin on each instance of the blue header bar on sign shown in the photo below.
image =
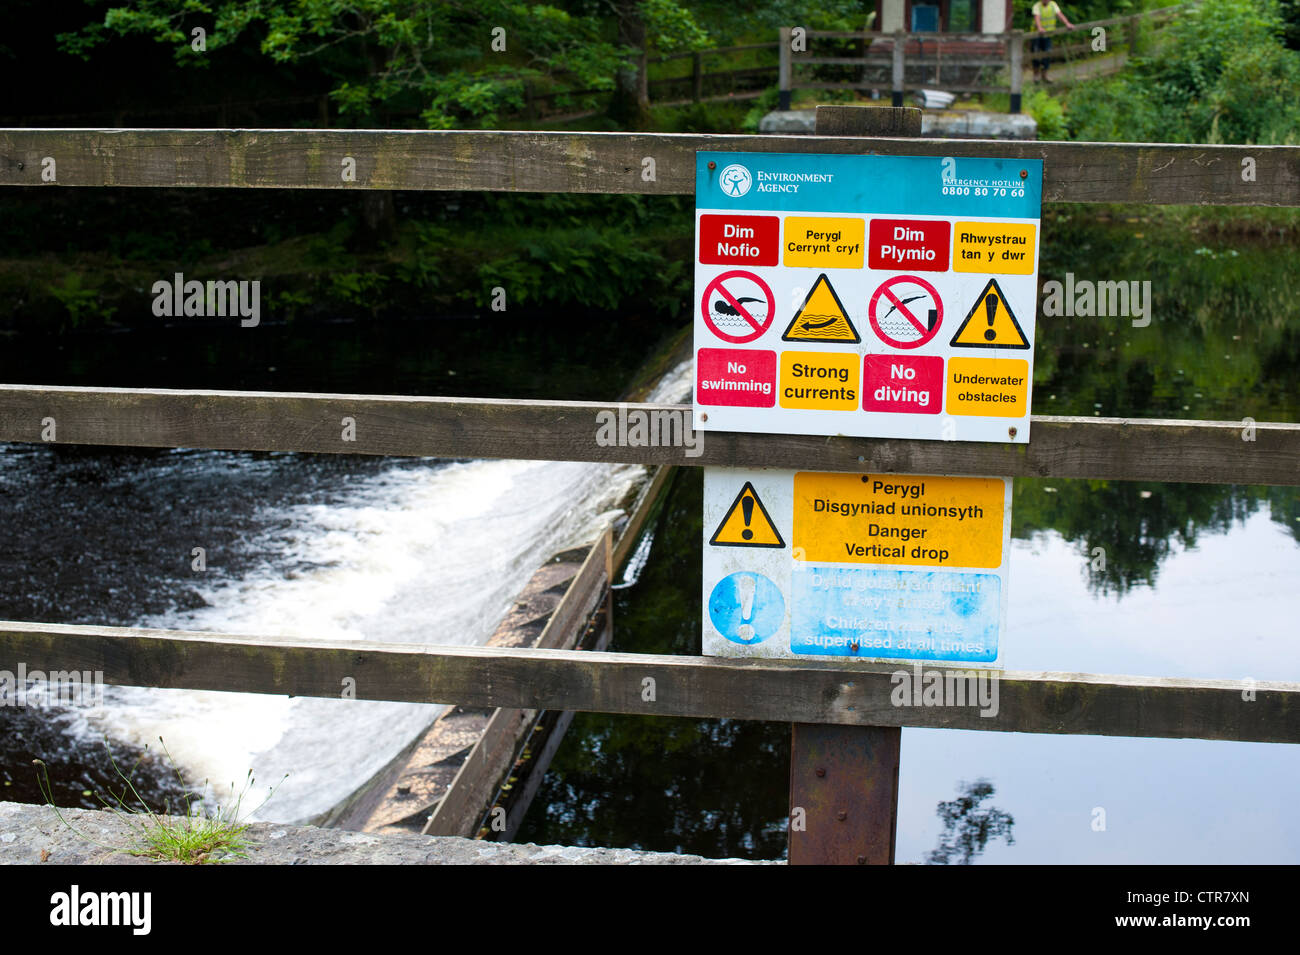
(905, 185)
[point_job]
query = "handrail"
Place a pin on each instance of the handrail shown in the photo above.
(608, 163)
(1209, 452)
(796, 691)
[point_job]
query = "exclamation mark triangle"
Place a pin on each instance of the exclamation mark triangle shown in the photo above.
(747, 523)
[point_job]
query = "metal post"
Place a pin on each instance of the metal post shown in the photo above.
(900, 38)
(843, 794)
(1016, 66)
(785, 68)
(844, 779)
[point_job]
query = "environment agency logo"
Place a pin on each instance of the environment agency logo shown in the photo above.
(736, 180)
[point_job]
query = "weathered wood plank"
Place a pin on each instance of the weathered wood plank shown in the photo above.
(1207, 452)
(776, 690)
(531, 161)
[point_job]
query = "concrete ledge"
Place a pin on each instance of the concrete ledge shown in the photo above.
(30, 835)
(945, 124)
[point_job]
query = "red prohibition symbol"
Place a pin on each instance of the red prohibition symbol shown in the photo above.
(738, 306)
(904, 317)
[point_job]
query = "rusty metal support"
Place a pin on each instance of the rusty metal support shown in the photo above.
(843, 794)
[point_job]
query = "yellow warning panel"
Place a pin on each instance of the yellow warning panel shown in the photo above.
(1003, 248)
(987, 387)
(821, 317)
(824, 243)
(747, 523)
(898, 519)
(990, 323)
(827, 381)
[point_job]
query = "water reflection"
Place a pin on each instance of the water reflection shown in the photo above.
(968, 825)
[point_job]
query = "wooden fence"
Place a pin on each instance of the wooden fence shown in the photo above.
(901, 62)
(799, 692)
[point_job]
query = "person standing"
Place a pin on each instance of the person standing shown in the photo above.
(1045, 14)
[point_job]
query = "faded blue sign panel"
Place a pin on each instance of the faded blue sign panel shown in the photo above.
(746, 608)
(901, 614)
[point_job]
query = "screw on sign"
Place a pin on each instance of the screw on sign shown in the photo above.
(738, 306)
(906, 312)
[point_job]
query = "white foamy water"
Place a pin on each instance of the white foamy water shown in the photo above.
(422, 555)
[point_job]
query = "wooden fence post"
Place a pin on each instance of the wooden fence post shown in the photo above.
(697, 76)
(1133, 29)
(1016, 66)
(844, 780)
(785, 68)
(900, 38)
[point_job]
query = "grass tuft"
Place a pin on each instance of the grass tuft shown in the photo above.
(192, 834)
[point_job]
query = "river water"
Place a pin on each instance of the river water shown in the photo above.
(335, 548)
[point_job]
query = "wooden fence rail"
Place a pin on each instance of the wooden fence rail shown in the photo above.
(1140, 449)
(774, 690)
(603, 162)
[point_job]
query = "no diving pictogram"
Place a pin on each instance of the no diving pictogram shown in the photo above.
(906, 312)
(738, 306)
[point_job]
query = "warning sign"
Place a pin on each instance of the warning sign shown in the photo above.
(990, 323)
(824, 243)
(864, 281)
(744, 378)
(906, 312)
(988, 386)
(816, 379)
(747, 523)
(894, 519)
(821, 317)
(1004, 248)
(738, 306)
(879, 567)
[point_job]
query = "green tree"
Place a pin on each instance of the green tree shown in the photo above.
(458, 64)
(1221, 75)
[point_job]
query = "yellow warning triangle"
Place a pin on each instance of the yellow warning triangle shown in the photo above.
(990, 323)
(821, 317)
(747, 523)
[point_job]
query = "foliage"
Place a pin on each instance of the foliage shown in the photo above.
(1221, 75)
(766, 102)
(192, 835)
(967, 827)
(443, 59)
(583, 256)
(1048, 113)
(79, 300)
(672, 27)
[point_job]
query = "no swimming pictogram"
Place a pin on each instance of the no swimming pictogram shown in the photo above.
(738, 306)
